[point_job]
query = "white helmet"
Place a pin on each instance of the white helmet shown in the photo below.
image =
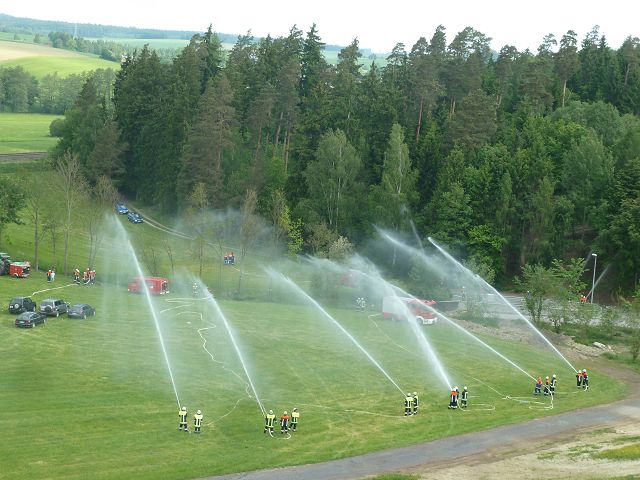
(465, 388)
(199, 412)
(584, 370)
(554, 375)
(547, 377)
(415, 393)
(184, 409)
(408, 394)
(295, 409)
(271, 412)
(285, 412)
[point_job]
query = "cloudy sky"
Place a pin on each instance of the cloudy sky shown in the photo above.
(378, 25)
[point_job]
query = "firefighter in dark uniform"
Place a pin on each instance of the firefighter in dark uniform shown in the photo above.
(295, 416)
(197, 421)
(585, 379)
(284, 423)
(269, 420)
(553, 384)
(408, 404)
(547, 386)
(464, 397)
(182, 414)
(415, 403)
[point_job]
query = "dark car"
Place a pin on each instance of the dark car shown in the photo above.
(81, 310)
(121, 209)
(22, 304)
(30, 319)
(134, 217)
(53, 307)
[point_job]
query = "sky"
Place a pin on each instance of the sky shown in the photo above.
(378, 25)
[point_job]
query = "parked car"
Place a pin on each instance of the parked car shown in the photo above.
(22, 304)
(30, 319)
(134, 217)
(53, 307)
(81, 310)
(121, 209)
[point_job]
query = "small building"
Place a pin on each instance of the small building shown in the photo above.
(155, 285)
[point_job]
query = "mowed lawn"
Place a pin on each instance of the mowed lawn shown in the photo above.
(94, 398)
(41, 60)
(26, 132)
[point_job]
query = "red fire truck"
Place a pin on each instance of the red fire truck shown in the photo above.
(401, 308)
(20, 269)
(155, 285)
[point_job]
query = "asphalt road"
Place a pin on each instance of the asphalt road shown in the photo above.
(460, 449)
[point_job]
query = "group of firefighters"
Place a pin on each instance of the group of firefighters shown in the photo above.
(549, 385)
(88, 277)
(229, 258)
(458, 398)
(197, 420)
(411, 404)
(287, 423)
(582, 379)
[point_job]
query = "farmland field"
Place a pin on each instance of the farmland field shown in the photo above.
(96, 398)
(40, 60)
(25, 132)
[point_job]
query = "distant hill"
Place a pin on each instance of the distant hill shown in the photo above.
(31, 26)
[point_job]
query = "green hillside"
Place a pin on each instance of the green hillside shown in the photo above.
(40, 60)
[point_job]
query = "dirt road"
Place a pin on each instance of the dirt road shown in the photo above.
(528, 450)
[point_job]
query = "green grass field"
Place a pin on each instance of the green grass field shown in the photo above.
(94, 398)
(40, 60)
(25, 132)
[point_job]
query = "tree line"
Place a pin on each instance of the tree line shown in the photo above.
(512, 158)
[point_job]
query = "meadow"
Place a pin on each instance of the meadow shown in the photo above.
(26, 132)
(41, 60)
(95, 398)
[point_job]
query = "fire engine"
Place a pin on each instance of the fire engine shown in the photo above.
(155, 285)
(402, 308)
(20, 269)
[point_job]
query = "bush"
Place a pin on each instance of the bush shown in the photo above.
(56, 127)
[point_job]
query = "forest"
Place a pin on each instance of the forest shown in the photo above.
(510, 158)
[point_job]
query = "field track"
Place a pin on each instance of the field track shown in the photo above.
(21, 157)
(472, 448)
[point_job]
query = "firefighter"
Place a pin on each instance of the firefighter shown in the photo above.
(76, 275)
(415, 403)
(453, 402)
(295, 416)
(547, 386)
(408, 404)
(194, 290)
(197, 421)
(284, 423)
(553, 384)
(85, 276)
(464, 397)
(578, 379)
(182, 414)
(53, 274)
(49, 275)
(269, 420)
(536, 391)
(585, 379)
(92, 276)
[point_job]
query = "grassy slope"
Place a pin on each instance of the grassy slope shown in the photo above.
(25, 132)
(40, 60)
(94, 399)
